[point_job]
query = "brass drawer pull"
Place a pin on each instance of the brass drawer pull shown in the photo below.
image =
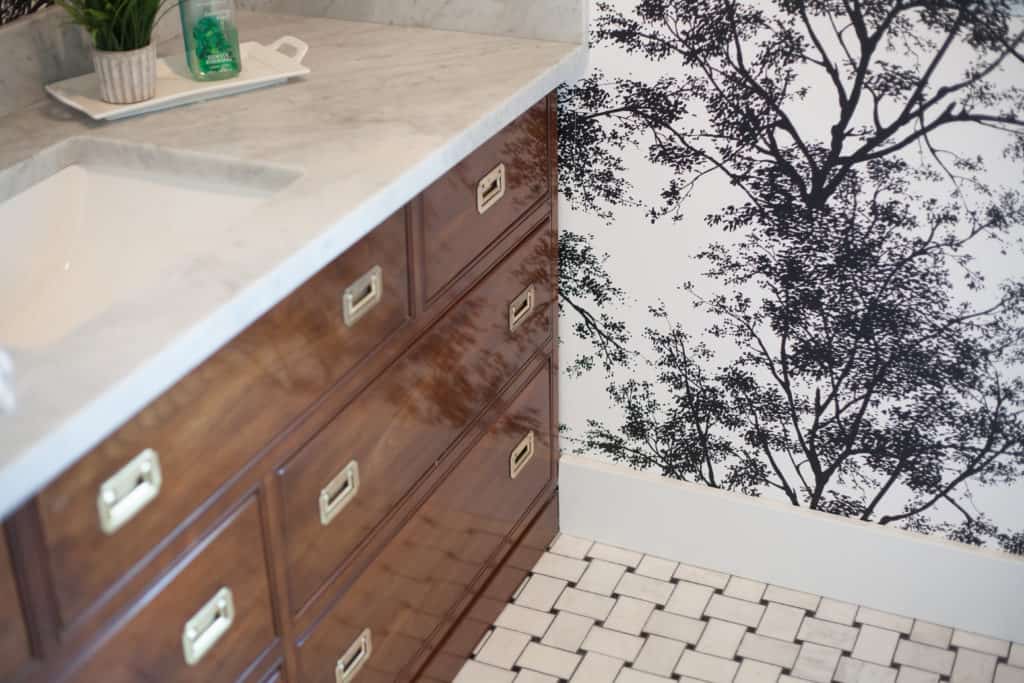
(520, 308)
(130, 489)
(491, 189)
(209, 625)
(521, 456)
(339, 493)
(355, 656)
(362, 295)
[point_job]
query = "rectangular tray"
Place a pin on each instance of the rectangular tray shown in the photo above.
(262, 65)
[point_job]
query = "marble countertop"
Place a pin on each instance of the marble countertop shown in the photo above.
(385, 112)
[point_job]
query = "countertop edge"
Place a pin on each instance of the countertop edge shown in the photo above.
(36, 466)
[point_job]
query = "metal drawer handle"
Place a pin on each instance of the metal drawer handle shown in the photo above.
(355, 656)
(339, 493)
(130, 489)
(521, 456)
(490, 189)
(209, 624)
(362, 295)
(520, 308)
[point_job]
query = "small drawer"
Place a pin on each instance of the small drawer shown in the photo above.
(210, 622)
(349, 477)
(14, 647)
(478, 200)
(137, 487)
(428, 570)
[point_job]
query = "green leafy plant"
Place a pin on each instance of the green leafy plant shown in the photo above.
(117, 25)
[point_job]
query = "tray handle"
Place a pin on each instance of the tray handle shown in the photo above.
(300, 47)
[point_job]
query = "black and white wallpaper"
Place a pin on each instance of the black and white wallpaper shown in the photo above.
(12, 9)
(792, 257)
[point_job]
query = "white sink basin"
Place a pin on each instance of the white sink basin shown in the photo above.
(88, 222)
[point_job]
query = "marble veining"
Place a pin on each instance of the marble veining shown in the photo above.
(385, 112)
(559, 20)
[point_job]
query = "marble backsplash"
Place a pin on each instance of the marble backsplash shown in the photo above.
(43, 47)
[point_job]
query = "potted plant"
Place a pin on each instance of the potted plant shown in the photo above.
(124, 54)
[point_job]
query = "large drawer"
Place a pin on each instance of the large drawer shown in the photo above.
(206, 428)
(511, 170)
(392, 610)
(352, 474)
(14, 648)
(223, 594)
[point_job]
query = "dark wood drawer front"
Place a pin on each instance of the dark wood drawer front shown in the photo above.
(454, 230)
(14, 649)
(429, 568)
(392, 434)
(149, 647)
(220, 416)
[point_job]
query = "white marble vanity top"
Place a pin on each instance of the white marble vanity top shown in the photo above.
(385, 112)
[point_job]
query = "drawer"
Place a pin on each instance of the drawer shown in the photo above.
(456, 226)
(349, 477)
(206, 428)
(428, 569)
(223, 594)
(14, 648)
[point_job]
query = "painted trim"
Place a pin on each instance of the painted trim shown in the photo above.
(888, 569)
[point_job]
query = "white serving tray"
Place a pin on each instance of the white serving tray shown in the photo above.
(262, 65)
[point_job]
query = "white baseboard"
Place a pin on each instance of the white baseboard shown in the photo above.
(888, 569)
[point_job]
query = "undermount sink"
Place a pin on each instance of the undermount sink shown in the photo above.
(88, 221)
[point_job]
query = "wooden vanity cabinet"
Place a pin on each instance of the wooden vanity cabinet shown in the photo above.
(351, 483)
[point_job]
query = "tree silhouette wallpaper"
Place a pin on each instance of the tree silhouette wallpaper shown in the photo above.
(792, 257)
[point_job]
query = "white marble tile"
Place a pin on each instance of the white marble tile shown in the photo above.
(635, 676)
(745, 589)
(781, 621)
(893, 622)
(908, 674)
(476, 672)
(1017, 655)
(931, 634)
(731, 609)
(659, 656)
(587, 604)
(644, 588)
(502, 648)
(689, 599)
(857, 671)
(706, 667)
(834, 610)
(1009, 674)
(788, 596)
(524, 619)
(779, 652)
(753, 671)
(656, 568)
(560, 567)
(629, 615)
(568, 631)
(816, 662)
(611, 553)
(973, 641)
(571, 546)
(597, 668)
(674, 626)
(973, 667)
(706, 577)
(540, 592)
(721, 638)
(548, 660)
(828, 633)
(612, 643)
(924, 657)
(527, 676)
(601, 577)
(877, 645)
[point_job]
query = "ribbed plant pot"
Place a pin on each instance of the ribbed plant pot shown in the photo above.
(126, 77)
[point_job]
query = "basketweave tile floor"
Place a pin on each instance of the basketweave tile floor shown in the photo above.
(592, 613)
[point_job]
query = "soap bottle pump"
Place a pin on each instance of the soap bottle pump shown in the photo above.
(211, 39)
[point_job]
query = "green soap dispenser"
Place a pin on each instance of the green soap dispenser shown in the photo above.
(211, 39)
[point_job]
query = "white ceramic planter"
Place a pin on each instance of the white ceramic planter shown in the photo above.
(126, 77)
